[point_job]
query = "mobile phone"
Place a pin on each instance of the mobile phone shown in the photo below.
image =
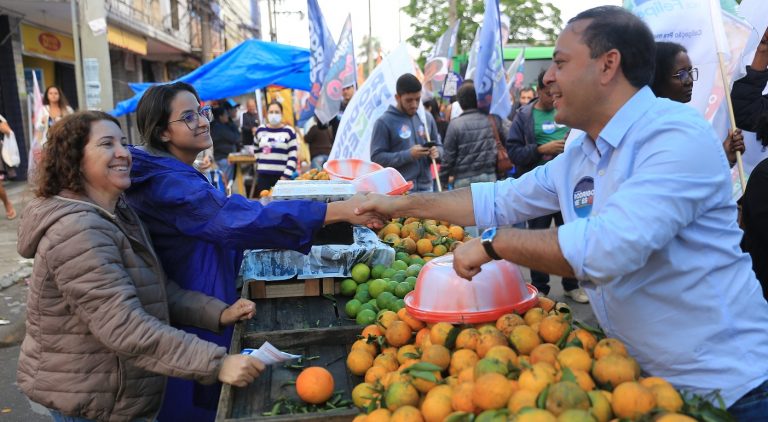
(430, 144)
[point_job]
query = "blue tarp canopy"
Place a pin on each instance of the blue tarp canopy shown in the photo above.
(251, 65)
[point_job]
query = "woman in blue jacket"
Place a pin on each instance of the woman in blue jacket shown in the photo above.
(199, 233)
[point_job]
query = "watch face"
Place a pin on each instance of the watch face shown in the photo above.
(488, 234)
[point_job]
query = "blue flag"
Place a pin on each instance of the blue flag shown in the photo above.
(322, 48)
(490, 81)
(342, 73)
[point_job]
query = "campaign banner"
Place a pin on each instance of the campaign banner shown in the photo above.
(353, 139)
(439, 61)
(472, 56)
(515, 72)
(321, 50)
(491, 82)
(340, 74)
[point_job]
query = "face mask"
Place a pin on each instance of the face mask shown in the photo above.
(274, 118)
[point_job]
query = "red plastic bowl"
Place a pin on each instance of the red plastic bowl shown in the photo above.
(349, 168)
(387, 181)
(442, 296)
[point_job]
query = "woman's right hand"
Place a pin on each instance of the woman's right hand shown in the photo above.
(240, 370)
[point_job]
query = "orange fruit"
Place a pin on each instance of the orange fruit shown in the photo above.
(507, 322)
(392, 228)
(667, 397)
(489, 340)
(358, 362)
(374, 374)
(462, 359)
(422, 338)
(615, 369)
(393, 377)
(546, 304)
(574, 358)
(436, 407)
(379, 415)
(537, 377)
(553, 328)
(534, 315)
(631, 400)
(437, 355)
(600, 405)
(406, 352)
(398, 333)
(456, 232)
(363, 345)
(423, 246)
(524, 339)
(545, 352)
(535, 415)
(649, 382)
(406, 414)
(314, 385)
(675, 417)
(607, 346)
(467, 375)
(503, 354)
(388, 361)
(409, 245)
(439, 333)
(587, 339)
(492, 391)
(521, 399)
(372, 330)
(385, 318)
(363, 393)
(412, 322)
(566, 395)
(468, 339)
(439, 250)
(461, 399)
(583, 379)
(400, 394)
(264, 193)
(424, 385)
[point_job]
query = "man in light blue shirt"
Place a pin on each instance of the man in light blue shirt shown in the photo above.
(650, 226)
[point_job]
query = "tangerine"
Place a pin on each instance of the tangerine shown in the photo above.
(492, 391)
(631, 400)
(507, 322)
(406, 414)
(398, 333)
(314, 385)
(607, 346)
(358, 362)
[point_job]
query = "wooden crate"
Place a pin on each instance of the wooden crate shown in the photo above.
(260, 289)
(311, 326)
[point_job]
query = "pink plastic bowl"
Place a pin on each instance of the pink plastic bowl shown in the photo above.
(349, 168)
(387, 181)
(442, 296)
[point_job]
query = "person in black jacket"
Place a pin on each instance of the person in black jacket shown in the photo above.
(226, 139)
(750, 107)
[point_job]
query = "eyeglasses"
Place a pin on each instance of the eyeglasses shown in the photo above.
(192, 119)
(685, 74)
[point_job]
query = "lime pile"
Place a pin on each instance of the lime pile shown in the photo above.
(380, 288)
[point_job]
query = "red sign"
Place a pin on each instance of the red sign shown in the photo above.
(49, 41)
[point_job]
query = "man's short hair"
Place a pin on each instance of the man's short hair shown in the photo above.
(527, 89)
(614, 27)
(467, 96)
(407, 84)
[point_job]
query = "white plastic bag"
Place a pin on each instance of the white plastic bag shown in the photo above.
(11, 151)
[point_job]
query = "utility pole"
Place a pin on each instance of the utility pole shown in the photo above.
(95, 76)
(451, 13)
(272, 22)
(370, 41)
(205, 33)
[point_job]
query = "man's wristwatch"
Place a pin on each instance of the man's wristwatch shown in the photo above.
(487, 240)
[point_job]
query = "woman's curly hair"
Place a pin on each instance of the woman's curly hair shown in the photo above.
(63, 152)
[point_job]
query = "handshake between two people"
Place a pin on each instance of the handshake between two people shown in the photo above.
(372, 210)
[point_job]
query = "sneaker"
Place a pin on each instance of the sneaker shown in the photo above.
(577, 295)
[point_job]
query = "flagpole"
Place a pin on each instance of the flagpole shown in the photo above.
(732, 117)
(434, 162)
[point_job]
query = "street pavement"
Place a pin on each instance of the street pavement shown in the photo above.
(14, 271)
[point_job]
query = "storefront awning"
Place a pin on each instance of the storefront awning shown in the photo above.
(127, 40)
(47, 44)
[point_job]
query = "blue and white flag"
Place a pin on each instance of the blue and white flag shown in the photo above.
(371, 101)
(321, 50)
(342, 73)
(472, 56)
(439, 61)
(490, 80)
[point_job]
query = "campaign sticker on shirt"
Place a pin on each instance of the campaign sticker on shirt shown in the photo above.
(405, 131)
(583, 196)
(549, 127)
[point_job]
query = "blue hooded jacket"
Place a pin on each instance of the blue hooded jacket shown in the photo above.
(200, 234)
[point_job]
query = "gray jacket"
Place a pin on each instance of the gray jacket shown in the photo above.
(470, 146)
(394, 133)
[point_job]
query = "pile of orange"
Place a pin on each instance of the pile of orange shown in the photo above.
(314, 174)
(424, 238)
(533, 367)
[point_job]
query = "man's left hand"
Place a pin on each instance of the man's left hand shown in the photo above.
(241, 310)
(468, 258)
(734, 142)
(434, 153)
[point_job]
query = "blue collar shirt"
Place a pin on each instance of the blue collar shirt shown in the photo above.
(650, 229)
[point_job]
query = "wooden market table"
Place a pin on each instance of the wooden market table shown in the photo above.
(240, 160)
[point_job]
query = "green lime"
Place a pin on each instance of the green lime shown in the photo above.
(377, 286)
(399, 265)
(402, 289)
(411, 281)
(367, 305)
(360, 273)
(400, 304)
(418, 261)
(374, 306)
(365, 317)
(384, 299)
(362, 295)
(377, 270)
(348, 287)
(400, 276)
(413, 270)
(388, 273)
(363, 286)
(402, 256)
(392, 286)
(352, 308)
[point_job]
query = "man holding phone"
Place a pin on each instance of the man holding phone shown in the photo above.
(399, 137)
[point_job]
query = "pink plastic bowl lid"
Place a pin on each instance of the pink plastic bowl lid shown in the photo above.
(387, 181)
(442, 296)
(349, 168)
